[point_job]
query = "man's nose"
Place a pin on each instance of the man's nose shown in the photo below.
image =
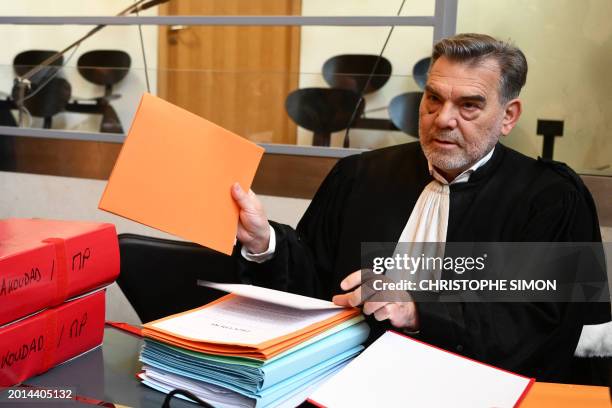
(447, 117)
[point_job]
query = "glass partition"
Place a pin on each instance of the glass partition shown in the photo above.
(246, 79)
(265, 107)
(242, 77)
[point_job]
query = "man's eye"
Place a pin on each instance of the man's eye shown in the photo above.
(470, 106)
(432, 98)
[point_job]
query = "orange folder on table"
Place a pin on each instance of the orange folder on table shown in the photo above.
(551, 395)
(175, 172)
(236, 320)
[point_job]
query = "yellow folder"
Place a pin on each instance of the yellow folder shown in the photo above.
(175, 172)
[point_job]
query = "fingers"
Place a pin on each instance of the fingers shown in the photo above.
(354, 279)
(385, 312)
(253, 226)
(400, 315)
(371, 307)
(341, 300)
(401, 312)
(348, 299)
(405, 316)
(382, 310)
(356, 297)
(244, 200)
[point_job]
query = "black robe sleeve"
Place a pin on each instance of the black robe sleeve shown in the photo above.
(305, 258)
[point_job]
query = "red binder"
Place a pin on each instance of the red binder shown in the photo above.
(45, 262)
(33, 345)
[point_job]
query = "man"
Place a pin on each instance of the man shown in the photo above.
(457, 185)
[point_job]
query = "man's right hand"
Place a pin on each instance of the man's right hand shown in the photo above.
(253, 227)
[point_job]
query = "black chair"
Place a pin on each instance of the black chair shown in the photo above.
(404, 112)
(49, 100)
(158, 276)
(351, 71)
(7, 143)
(26, 60)
(46, 99)
(323, 110)
(420, 71)
(104, 67)
(6, 117)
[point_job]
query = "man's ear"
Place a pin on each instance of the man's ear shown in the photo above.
(512, 113)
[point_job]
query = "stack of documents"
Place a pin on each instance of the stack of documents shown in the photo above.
(255, 347)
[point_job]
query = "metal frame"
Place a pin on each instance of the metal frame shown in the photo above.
(445, 18)
(443, 22)
(271, 148)
(228, 20)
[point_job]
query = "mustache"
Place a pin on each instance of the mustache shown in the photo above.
(445, 136)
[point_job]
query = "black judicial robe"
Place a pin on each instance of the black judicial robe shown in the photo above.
(512, 198)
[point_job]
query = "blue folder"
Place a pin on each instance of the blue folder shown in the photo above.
(275, 395)
(253, 377)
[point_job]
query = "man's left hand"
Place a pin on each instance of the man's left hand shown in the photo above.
(401, 311)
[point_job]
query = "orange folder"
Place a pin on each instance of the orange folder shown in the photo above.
(262, 351)
(175, 172)
(551, 395)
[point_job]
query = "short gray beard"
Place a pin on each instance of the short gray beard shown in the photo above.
(471, 154)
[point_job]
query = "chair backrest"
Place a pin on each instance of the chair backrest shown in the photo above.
(323, 110)
(6, 117)
(26, 60)
(7, 143)
(420, 71)
(49, 100)
(404, 112)
(104, 67)
(158, 276)
(351, 71)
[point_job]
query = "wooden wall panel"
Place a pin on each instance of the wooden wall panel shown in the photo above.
(278, 174)
(70, 158)
(291, 176)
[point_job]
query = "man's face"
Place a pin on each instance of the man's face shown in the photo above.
(460, 117)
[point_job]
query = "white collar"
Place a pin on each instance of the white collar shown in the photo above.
(464, 176)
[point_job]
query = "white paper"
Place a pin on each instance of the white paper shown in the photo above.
(399, 372)
(242, 321)
(271, 296)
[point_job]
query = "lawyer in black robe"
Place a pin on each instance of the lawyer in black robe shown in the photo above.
(512, 198)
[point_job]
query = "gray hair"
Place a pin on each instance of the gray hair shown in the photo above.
(476, 48)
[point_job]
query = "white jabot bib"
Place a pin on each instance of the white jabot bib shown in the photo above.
(428, 221)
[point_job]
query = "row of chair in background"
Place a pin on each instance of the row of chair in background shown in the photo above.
(327, 110)
(357, 72)
(51, 94)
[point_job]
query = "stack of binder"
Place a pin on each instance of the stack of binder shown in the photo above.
(52, 275)
(241, 351)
